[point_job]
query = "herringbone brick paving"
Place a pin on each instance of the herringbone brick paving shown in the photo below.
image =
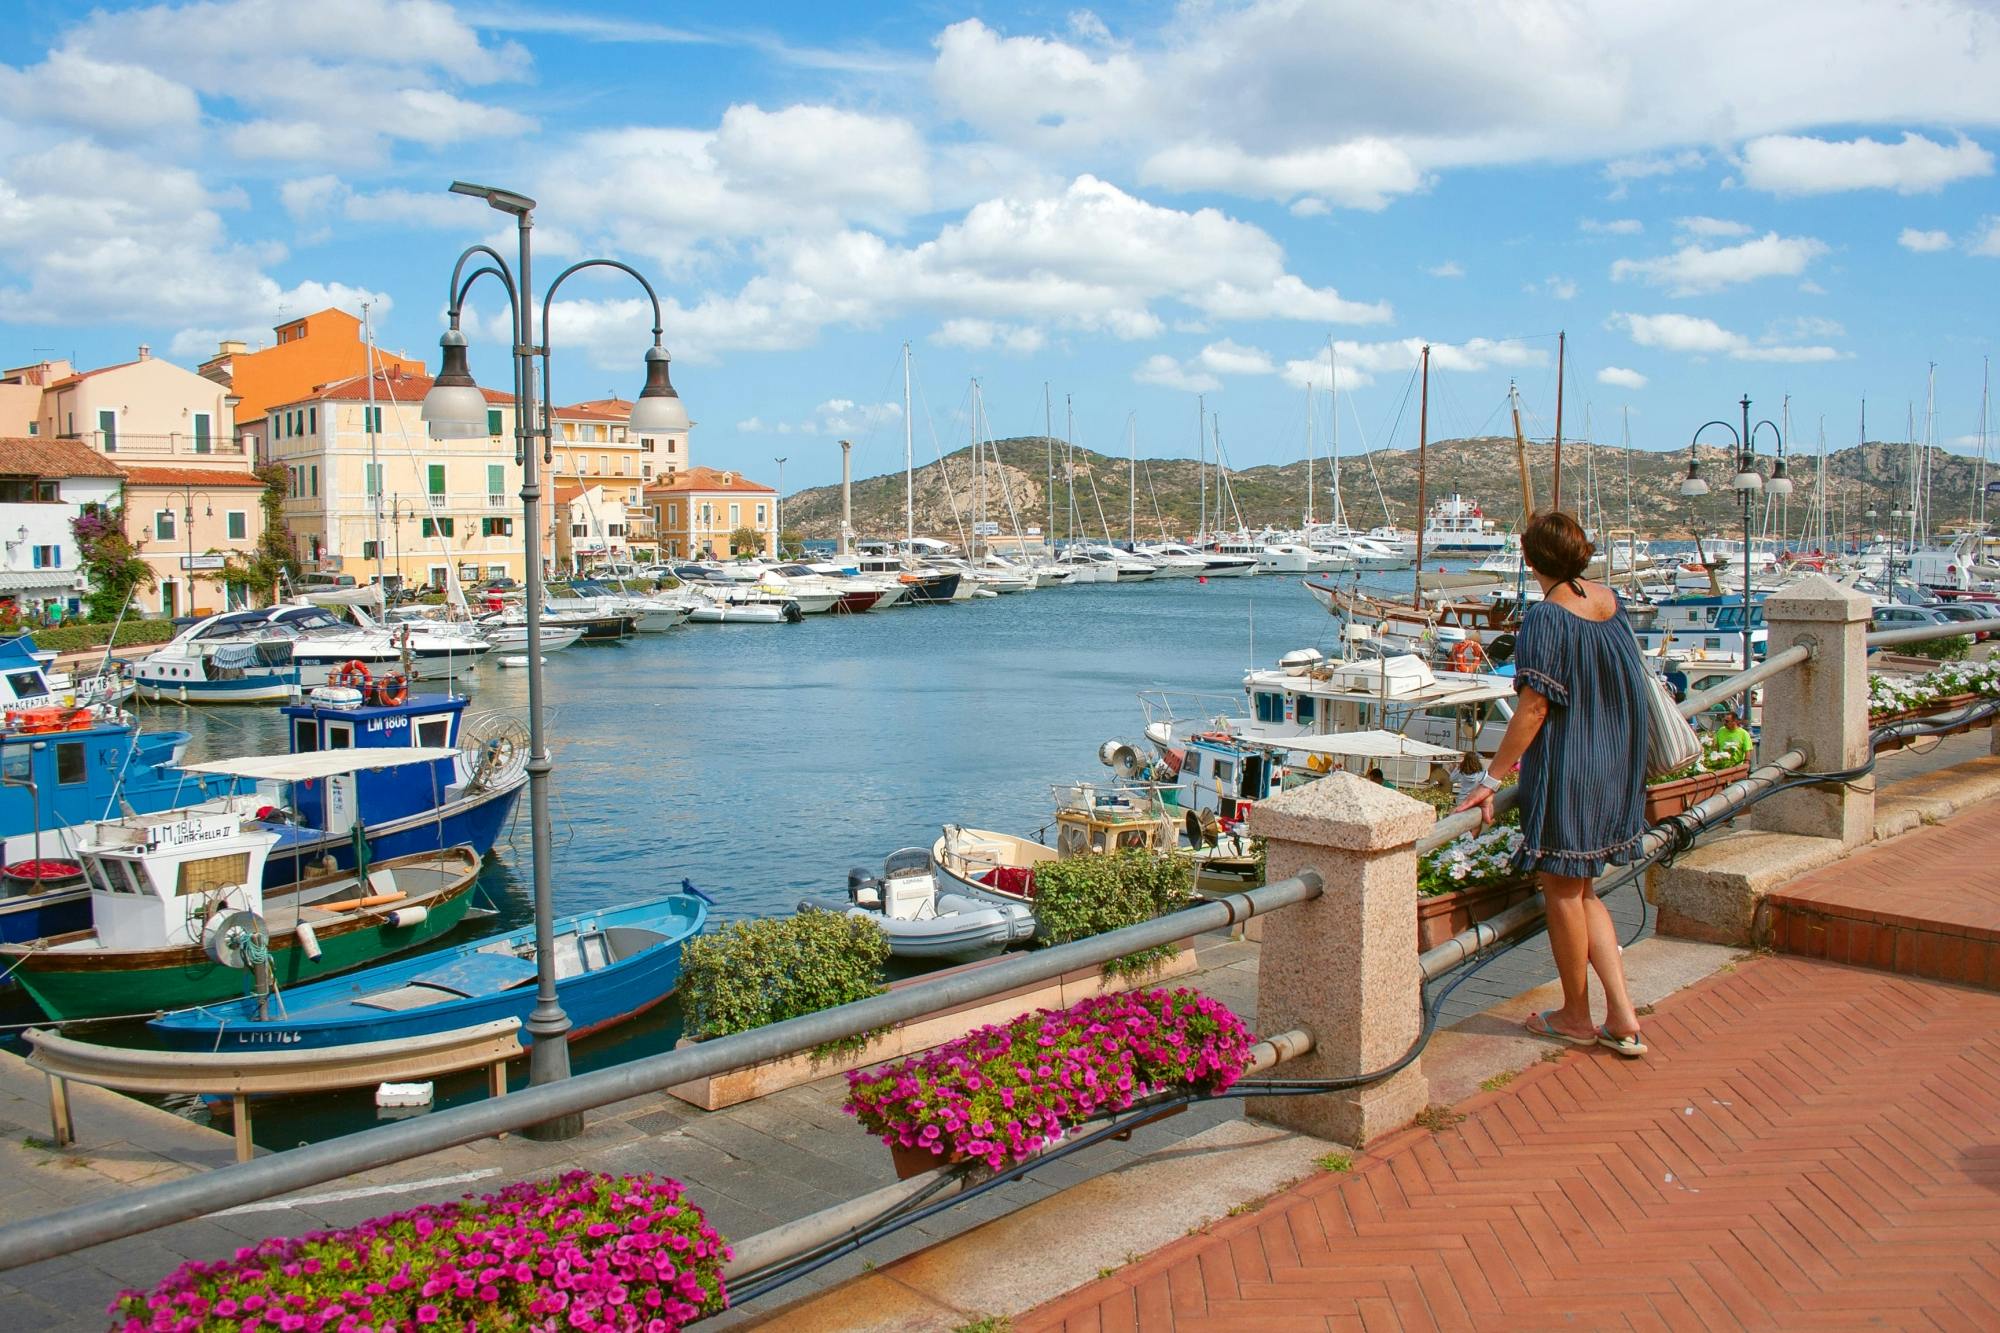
(1808, 1146)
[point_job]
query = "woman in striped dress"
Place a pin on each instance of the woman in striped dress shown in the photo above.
(1579, 737)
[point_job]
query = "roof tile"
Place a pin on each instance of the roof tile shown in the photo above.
(38, 456)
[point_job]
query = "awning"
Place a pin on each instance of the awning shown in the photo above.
(37, 580)
(367, 596)
(320, 763)
(1357, 745)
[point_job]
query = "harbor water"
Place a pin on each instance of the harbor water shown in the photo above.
(759, 762)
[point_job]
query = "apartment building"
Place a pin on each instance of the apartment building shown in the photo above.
(698, 508)
(317, 349)
(44, 486)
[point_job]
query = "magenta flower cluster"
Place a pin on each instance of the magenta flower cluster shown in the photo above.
(1000, 1094)
(585, 1251)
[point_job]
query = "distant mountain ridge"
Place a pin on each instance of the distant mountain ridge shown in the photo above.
(1482, 469)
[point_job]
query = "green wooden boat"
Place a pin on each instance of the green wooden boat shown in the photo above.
(172, 893)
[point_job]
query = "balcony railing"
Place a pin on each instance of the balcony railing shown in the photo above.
(123, 444)
(498, 501)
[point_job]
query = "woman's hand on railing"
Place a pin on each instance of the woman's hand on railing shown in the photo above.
(1480, 798)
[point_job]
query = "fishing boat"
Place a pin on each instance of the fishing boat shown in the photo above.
(923, 920)
(29, 679)
(611, 965)
(172, 893)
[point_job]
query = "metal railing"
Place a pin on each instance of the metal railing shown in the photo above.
(1891, 638)
(138, 445)
(132, 1213)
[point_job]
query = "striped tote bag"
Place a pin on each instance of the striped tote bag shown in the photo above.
(1671, 744)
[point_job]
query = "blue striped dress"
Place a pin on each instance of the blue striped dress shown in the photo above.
(1583, 792)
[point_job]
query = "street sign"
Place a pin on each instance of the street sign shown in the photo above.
(986, 529)
(203, 561)
(1993, 488)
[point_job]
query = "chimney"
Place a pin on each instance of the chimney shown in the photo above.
(145, 352)
(846, 497)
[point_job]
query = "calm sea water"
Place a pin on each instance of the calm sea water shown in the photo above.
(762, 761)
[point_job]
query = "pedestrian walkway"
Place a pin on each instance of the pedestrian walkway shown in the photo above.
(1808, 1146)
(1925, 904)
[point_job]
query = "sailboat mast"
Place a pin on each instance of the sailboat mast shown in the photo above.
(1049, 488)
(1521, 456)
(374, 461)
(1556, 499)
(1423, 446)
(979, 474)
(1132, 485)
(1930, 438)
(1069, 457)
(909, 467)
(1625, 433)
(1309, 455)
(1985, 414)
(1201, 463)
(1333, 432)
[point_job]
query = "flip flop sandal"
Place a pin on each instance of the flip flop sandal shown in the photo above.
(1630, 1047)
(1552, 1032)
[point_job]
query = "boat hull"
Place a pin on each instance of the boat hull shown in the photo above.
(594, 1000)
(97, 983)
(275, 688)
(930, 589)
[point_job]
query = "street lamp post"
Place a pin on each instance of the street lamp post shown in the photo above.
(187, 532)
(778, 510)
(455, 408)
(1749, 480)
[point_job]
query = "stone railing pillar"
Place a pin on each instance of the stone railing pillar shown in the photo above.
(1820, 708)
(1344, 966)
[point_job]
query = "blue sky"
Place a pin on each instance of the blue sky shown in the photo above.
(1131, 204)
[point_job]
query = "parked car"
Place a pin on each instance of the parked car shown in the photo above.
(1960, 612)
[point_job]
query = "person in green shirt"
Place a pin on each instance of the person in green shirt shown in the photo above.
(1732, 739)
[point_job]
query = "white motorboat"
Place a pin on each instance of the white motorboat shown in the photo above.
(1457, 526)
(320, 643)
(1086, 565)
(921, 920)
(1173, 561)
(555, 637)
(709, 605)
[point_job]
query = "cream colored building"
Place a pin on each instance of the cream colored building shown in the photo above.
(696, 509)
(592, 444)
(592, 527)
(370, 494)
(190, 492)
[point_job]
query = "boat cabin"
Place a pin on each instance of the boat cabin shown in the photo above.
(331, 718)
(1091, 817)
(1229, 775)
(156, 880)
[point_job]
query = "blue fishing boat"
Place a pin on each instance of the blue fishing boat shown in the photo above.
(53, 787)
(611, 965)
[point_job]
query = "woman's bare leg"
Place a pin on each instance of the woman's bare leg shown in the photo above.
(1620, 1019)
(1570, 940)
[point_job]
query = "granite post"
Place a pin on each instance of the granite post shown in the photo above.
(1820, 708)
(1344, 966)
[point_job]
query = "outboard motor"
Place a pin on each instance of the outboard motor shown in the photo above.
(863, 888)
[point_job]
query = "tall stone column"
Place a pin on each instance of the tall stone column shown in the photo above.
(1344, 966)
(1819, 708)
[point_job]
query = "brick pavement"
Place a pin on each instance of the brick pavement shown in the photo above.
(1807, 1146)
(1925, 903)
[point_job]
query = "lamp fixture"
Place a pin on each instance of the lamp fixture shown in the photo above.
(1692, 485)
(454, 409)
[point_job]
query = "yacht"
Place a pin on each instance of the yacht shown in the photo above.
(1358, 550)
(1087, 565)
(319, 644)
(924, 585)
(817, 593)
(1457, 526)
(1173, 561)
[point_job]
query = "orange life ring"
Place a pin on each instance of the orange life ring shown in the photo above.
(1466, 655)
(392, 690)
(353, 673)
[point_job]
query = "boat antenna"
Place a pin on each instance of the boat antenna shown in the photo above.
(1556, 499)
(1423, 447)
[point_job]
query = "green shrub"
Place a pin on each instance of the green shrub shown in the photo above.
(756, 972)
(1093, 893)
(71, 638)
(1952, 649)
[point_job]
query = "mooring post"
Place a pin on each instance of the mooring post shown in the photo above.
(1819, 708)
(1344, 966)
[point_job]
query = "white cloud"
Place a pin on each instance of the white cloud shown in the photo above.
(1229, 358)
(1614, 227)
(1360, 362)
(1987, 240)
(836, 416)
(1449, 269)
(1794, 164)
(1692, 269)
(1697, 336)
(1924, 242)
(1561, 288)
(116, 100)
(1621, 378)
(1163, 372)
(1361, 173)
(977, 334)
(1626, 169)
(1712, 227)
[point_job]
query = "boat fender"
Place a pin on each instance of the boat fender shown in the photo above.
(404, 917)
(308, 940)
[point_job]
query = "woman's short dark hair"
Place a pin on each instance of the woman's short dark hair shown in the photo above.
(1554, 546)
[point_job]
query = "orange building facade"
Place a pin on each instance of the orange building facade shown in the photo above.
(309, 352)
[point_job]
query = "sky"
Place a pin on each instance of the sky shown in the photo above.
(1106, 212)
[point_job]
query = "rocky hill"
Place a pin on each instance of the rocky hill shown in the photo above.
(1483, 469)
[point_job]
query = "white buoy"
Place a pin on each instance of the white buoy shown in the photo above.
(409, 916)
(308, 940)
(518, 660)
(403, 1094)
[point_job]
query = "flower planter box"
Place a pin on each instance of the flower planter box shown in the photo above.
(920, 1034)
(1443, 915)
(1668, 799)
(1938, 708)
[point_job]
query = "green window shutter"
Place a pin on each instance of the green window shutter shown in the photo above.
(238, 528)
(437, 479)
(496, 479)
(492, 421)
